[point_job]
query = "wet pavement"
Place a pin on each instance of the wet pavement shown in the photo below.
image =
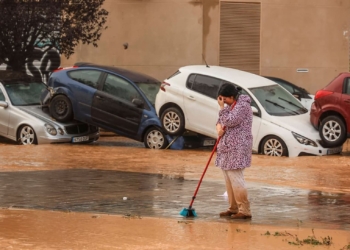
(156, 195)
(95, 178)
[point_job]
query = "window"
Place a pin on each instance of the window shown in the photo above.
(347, 86)
(24, 93)
(190, 81)
(150, 89)
(2, 97)
(87, 77)
(120, 88)
(277, 101)
(286, 86)
(206, 85)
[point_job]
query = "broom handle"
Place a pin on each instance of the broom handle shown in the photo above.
(205, 170)
(206, 167)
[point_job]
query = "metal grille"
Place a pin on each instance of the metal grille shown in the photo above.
(77, 129)
(240, 36)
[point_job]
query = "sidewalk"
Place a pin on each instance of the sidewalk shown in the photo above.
(45, 230)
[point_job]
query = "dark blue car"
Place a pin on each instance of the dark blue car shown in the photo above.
(115, 99)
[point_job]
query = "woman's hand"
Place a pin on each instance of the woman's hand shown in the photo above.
(220, 130)
(221, 101)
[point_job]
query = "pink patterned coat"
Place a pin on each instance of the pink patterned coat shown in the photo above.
(234, 150)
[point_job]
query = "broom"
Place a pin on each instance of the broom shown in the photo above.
(191, 212)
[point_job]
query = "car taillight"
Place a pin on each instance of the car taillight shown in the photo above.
(61, 68)
(322, 93)
(162, 86)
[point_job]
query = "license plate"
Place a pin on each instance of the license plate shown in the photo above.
(80, 139)
(209, 142)
(333, 151)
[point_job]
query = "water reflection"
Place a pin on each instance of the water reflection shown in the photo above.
(164, 195)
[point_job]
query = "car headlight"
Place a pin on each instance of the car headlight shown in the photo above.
(60, 131)
(304, 140)
(51, 129)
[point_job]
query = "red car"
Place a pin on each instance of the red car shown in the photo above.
(330, 112)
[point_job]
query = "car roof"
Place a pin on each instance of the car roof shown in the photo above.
(132, 75)
(9, 75)
(239, 77)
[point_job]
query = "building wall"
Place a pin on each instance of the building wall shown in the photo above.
(310, 34)
(164, 35)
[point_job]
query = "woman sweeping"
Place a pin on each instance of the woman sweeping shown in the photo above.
(234, 150)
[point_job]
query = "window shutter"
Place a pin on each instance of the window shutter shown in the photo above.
(240, 36)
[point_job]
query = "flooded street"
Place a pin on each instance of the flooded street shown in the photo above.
(115, 194)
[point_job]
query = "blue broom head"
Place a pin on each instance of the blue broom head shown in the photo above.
(188, 212)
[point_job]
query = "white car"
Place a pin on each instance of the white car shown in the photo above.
(281, 125)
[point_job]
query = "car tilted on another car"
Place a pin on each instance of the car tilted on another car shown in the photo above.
(23, 120)
(115, 99)
(281, 126)
(330, 112)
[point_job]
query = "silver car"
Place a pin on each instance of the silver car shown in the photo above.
(22, 118)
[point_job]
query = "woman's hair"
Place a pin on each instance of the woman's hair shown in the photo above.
(228, 90)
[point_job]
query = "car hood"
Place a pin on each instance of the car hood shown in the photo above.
(37, 112)
(299, 124)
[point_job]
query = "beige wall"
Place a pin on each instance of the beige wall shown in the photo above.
(164, 35)
(310, 34)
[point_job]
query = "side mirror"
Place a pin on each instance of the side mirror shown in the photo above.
(255, 110)
(138, 103)
(3, 104)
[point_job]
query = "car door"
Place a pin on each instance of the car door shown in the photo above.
(201, 105)
(113, 106)
(84, 92)
(4, 115)
(346, 101)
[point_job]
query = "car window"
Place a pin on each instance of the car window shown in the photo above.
(120, 88)
(87, 77)
(2, 97)
(286, 86)
(277, 101)
(23, 92)
(150, 89)
(252, 102)
(206, 85)
(190, 81)
(347, 86)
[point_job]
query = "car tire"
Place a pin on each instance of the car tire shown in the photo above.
(61, 108)
(26, 135)
(173, 121)
(332, 131)
(154, 138)
(274, 146)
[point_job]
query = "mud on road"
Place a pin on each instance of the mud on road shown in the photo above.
(302, 193)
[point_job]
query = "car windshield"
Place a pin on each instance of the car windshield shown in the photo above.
(277, 101)
(24, 93)
(150, 89)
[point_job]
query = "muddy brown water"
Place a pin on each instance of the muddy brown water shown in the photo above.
(65, 196)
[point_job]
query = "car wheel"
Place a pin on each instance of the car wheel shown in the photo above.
(26, 135)
(274, 146)
(173, 121)
(332, 131)
(61, 108)
(155, 138)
